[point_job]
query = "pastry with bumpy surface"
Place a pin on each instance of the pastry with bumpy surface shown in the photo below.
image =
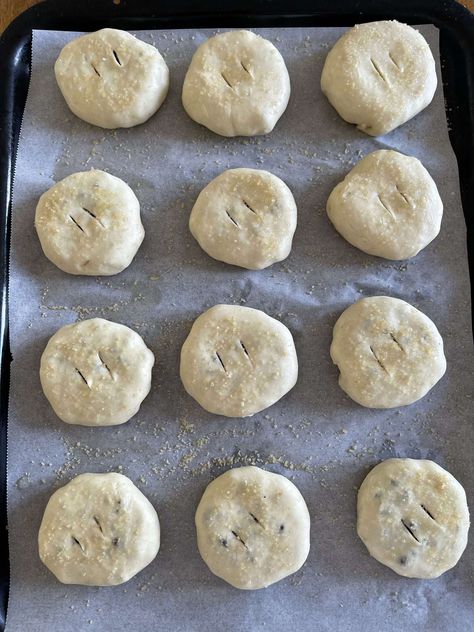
(237, 361)
(413, 517)
(112, 79)
(252, 527)
(245, 217)
(237, 85)
(379, 75)
(387, 205)
(89, 223)
(389, 354)
(96, 372)
(98, 530)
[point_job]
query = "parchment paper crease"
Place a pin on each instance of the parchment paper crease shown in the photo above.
(317, 436)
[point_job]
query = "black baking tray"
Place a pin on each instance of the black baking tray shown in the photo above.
(456, 26)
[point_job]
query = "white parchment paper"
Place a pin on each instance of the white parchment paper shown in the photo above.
(316, 435)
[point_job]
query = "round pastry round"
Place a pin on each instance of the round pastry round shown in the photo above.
(379, 75)
(237, 85)
(246, 217)
(237, 361)
(252, 527)
(111, 79)
(89, 223)
(387, 205)
(389, 354)
(413, 517)
(98, 530)
(96, 373)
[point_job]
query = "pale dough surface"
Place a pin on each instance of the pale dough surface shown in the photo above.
(237, 85)
(236, 361)
(89, 223)
(96, 372)
(413, 517)
(387, 205)
(98, 530)
(253, 527)
(112, 79)
(379, 75)
(389, 354)
(245, 217)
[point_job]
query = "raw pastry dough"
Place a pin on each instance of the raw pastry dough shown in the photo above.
(98, 530)
(252, 527)
(387, 205)
(246, 217)
(237, 85)
(111, 79)
(413, 517)
(389, 354)
(89, 223)
(379, 75)
(237, 361)
(96, 373)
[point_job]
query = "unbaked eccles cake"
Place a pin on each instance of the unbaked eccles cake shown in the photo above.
(89, 223)
(111, 79)
(389, 354)
(387, 205)
(96, 372)
(412, 516)
(246, 217)
(253, 526)
(379, 75)
(98, 530)
(236, 85)
(237, 361)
